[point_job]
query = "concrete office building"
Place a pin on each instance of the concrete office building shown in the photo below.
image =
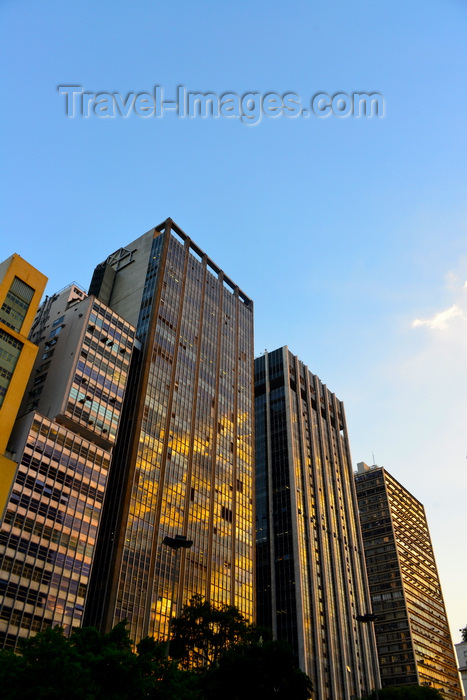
(63, 441)
(184, 461)
(21, 288)
(412, 632)
(461, 651)
(311, 581)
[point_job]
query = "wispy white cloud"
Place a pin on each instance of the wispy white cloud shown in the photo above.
(439, 320)
(452, 280)
(442, 320)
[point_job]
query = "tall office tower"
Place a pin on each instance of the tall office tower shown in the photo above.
(21, 288)
(311, 583)
(184, 461)
(412, 633)
(63, 442)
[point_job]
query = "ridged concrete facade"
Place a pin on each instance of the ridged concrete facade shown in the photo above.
(412, 631)
(311, 581)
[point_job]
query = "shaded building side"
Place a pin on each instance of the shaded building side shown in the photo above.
(461, 651)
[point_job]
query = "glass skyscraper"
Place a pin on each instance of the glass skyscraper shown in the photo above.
(311, 581)
(183, 462)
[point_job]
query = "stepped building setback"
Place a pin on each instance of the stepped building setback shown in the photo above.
(412, 632)
(63, 441)
(311, 583)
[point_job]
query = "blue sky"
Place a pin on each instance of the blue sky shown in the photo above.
(344, 231)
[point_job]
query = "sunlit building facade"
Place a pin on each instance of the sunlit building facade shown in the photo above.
(311, 581)
(21, 288)
(184, 461)
(63, 442)
(412, 632)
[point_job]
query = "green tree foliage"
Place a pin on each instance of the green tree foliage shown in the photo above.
(93, 666)
(408, 692)
(48, 668)
(163, 679)
(203, 632)
(257, 671)
(214, 653)
(464, 634)
(235, 660)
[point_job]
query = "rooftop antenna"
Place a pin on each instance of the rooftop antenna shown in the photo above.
(373, 455)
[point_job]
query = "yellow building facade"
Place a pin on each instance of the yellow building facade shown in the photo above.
(21, 289)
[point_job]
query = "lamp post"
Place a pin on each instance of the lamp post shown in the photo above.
(370, 618)
(176, 544)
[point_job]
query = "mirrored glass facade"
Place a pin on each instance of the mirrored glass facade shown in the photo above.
(412, 632)
(21, 287)
(186, 455)
(310, 576)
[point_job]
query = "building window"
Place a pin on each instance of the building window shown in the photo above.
(10, 350)
(55, 332)
(16, 304)
(226, 514)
